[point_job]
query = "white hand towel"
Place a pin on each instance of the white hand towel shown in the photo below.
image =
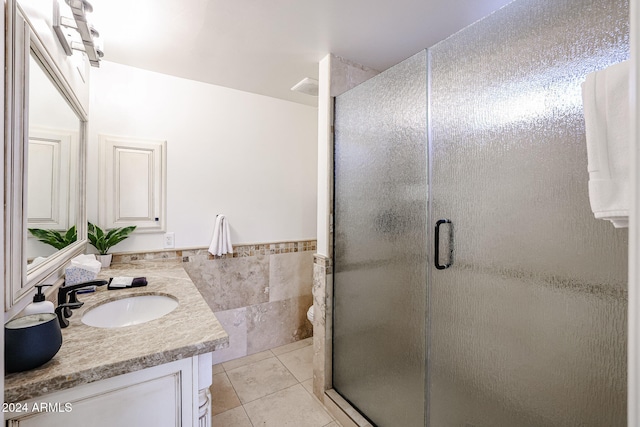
(226, 240)
(605, 96)
(221, 241)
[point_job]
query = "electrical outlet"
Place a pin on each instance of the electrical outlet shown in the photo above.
(169, 240)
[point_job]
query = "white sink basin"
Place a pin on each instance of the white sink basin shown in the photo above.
(129, 311)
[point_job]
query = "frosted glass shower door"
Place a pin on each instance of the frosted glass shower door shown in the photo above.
(527, 327)
(380, 246)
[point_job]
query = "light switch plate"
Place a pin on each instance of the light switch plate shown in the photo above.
(169, 240)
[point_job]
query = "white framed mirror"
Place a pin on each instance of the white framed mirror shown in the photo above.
(45, 157)
(52, 168)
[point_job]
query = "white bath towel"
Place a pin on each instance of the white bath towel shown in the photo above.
(605, 96)
(221, 241)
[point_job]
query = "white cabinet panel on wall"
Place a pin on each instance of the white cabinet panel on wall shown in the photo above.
(51, 178)
(132, 183)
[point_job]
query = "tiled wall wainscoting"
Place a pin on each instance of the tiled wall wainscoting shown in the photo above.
(260, 293)
(260, 296)
(239, 251)
(339, 408)
(322, 324)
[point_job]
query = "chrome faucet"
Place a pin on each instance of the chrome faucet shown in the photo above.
(63, 310)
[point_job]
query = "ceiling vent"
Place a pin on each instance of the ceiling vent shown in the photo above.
(308, 86)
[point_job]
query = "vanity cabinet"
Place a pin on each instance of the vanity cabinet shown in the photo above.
(155, 373)
(167, 395)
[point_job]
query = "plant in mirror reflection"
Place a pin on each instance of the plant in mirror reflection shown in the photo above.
(55, 238)
(104, 241)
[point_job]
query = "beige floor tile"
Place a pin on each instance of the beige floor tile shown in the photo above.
(217, 369)
(233, 418)
(293, 346)
(259, 379)
(299, 362)
(333, 424)
(308, 385)
(235, 363)
(223, 396)
(291, 407)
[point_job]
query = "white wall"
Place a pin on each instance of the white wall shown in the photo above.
(250, 157)
(335, 76)
(325, 156)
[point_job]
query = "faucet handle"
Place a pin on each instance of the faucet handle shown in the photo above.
(73, 297)
(70, 290)
(73, 303)
(61, 311)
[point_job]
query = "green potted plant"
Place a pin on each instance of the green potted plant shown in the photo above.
(55, 238)
(104, 241)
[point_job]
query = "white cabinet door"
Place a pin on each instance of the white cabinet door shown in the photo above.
(52, 178)
(161, 396)
(132, 183)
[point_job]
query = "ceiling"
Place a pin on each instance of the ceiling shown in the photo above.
(267, 46)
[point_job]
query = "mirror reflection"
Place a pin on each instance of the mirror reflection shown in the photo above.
(52, 168)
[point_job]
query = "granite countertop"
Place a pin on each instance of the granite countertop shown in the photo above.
(91, 354)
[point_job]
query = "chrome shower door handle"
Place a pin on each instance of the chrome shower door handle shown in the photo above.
(436, 252)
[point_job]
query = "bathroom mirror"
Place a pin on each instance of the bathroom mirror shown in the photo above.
(51, 164)
(44, 163)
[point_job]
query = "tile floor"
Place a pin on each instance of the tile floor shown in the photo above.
(272, 388)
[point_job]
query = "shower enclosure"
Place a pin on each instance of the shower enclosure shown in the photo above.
(520, 319)
(380, 245)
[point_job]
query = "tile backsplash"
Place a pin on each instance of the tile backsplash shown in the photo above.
(239, 251)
